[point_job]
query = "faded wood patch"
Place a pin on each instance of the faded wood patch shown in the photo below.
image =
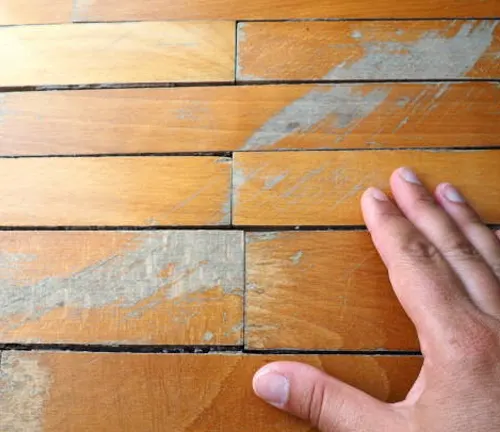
(158, 389)
(250, 118)
(321, 291)
(117, 53)
(161, 287)
(35, 11)
(116, 191)
(324, 188)
(120, 10)
(368, 50)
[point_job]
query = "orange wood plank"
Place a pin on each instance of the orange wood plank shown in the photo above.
(322, 291)
(117, 53)
(115, 191)
(368, 50)
(324, 188)
(130, 392)
(35, 11)
(157, 287)
(250, 118)
(92, 10)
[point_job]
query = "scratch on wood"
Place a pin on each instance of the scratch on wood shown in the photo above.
(178, 263)
(297, 257)
(347, 104)
(434, 55)
(259, 237)
(24, 387)
(271, 182)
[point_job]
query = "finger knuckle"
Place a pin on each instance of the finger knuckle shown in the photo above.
(317, 400)
(460, 249)
(418, 249)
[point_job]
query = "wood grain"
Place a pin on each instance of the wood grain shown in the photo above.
(117, 53)
(321, 291)
(115, 191)
(108, 10)
(132, 392)
(324, 188)
(35, 11)
(250, 118)
(156, 287)
(368, 50)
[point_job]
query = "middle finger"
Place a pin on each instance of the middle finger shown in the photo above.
(420, 208)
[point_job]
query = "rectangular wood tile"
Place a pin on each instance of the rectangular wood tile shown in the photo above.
(321, 291)
(35, 11)
(117, 53)
(250, 118)
(108, 10)
(115, 191)
(156, 287)
(324, 188)
(153, 392)
(368, 50)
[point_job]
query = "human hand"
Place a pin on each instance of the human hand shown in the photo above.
(444, 266)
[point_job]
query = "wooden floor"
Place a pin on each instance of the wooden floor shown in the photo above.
(179, 197)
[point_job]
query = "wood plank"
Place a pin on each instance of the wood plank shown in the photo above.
(324, 188)
(131, 392)
(321, 291)
(117, 53)
(115, 191)
(35, 11)
(156, 287)
(250, 118)
(368, 50)
(109, 10)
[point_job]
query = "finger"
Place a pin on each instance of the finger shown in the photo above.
(326, 402)
(479, 235)
(423, 281)
(433, 222)
(497, 233)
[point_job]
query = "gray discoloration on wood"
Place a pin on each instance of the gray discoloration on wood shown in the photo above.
(433, 56)
(24, 387)
(178, 263)
(259, 237)
(297, 257)
(271, 182)
(208, 336)
(347, 104)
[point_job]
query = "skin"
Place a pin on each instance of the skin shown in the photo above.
(444, 266)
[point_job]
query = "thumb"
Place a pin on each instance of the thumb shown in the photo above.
(326, 402)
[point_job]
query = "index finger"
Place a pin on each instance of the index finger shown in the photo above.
(428, 289)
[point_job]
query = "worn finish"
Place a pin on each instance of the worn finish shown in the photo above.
(117, 53)
(160, 287)
(324, 188)
(321, 291)
(117, 191)
(131, 392)
(250, 118)
(368, 50)
(35, 11)
(117, 10)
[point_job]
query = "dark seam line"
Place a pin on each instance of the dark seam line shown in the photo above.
(236, 83)
(384, 19)
(225, 154)
(174, 349)
(246, 228)
(229, 154)
(194, 349)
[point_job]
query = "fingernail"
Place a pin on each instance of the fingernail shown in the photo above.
(378, 194)
(453, 195)
(272, 387)
(409, 176)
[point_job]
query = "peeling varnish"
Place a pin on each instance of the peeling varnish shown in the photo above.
(175, 264)
(24, 388)
(348, 105)
(432, 56)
